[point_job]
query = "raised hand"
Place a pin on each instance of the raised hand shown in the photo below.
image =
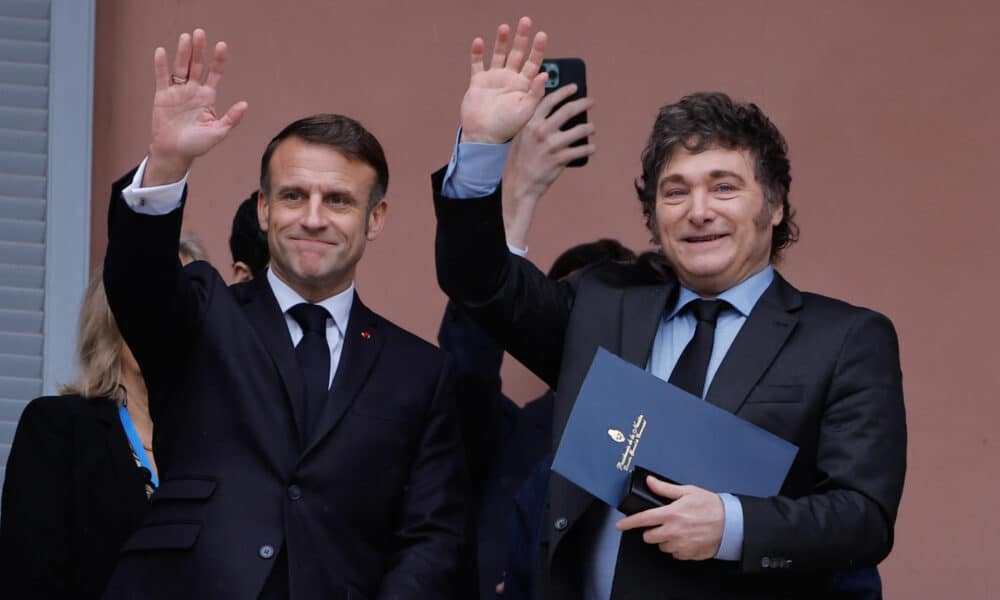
(185, 124)
(503, 95)
(538, 155)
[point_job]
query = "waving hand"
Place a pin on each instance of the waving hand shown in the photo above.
(503, 95)
(185, 124)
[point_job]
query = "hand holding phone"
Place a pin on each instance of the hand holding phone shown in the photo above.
(561, 72)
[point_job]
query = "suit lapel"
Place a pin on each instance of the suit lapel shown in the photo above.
(642, 309)
(362, 344)
(761, 338)
(268, 321)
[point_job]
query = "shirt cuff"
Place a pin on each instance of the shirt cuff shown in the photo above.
(156, 200)
(522, 252)
(731, 547)
(474, 170)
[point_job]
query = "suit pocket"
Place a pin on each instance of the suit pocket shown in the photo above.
(163, 536)
(184, 489)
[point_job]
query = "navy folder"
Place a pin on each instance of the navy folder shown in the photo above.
(625, 416)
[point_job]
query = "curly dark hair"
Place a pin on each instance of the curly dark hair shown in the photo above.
(711, 119)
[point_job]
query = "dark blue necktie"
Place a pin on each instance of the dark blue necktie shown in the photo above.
(313, 354)
(692, 367)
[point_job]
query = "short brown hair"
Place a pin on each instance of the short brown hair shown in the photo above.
(343, 134)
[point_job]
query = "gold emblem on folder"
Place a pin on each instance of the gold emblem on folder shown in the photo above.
(638, 427)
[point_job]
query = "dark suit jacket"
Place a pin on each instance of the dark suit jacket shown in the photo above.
(817, 372)
(370, 506)
(71, 497)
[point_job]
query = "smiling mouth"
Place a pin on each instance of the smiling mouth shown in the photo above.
(704, 238)
(310, 241)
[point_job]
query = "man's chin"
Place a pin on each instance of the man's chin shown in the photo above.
(704, 281)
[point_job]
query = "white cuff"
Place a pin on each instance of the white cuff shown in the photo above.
(156, 200)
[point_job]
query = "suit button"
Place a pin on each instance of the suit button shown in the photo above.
(765, 562)
(294, 492)
(266, 551)
(561, 523)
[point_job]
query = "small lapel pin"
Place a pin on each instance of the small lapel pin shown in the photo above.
(366, 335)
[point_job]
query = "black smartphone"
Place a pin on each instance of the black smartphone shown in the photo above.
(563, 71)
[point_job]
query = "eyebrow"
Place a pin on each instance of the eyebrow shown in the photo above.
(716, 174)
(292, 187)
(281, 189)
(722, 174)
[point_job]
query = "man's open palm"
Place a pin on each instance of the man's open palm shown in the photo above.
(185, 124)
(503, 95)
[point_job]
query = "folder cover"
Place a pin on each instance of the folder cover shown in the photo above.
(625, 417)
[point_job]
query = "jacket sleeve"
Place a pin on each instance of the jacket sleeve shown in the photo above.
(521, 308)
(155, 304)
(847, 520)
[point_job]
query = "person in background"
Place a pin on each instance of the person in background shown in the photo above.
(191, 249)
(247, 243)
(80, 471)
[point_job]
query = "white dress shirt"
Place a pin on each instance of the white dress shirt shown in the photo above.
(162, 199)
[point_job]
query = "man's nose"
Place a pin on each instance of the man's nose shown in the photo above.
(313, 217)
(700, 210)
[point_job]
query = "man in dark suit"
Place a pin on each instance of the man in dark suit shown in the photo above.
(710, 313)
(307, 446)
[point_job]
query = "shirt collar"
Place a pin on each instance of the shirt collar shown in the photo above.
(338, 305)
(742, 296)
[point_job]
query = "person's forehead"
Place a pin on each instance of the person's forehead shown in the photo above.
(298, 162)
(682, 162)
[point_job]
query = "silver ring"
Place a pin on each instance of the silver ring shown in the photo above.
(175, 80)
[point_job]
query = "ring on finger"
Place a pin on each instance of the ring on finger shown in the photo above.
(177, 80)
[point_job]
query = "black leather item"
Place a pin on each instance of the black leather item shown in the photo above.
(638, 497)
(313, 354)
(692, 366)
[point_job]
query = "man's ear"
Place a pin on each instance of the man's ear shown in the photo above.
(777, 215)
(376, 219)
(241, 272)
(263, 211)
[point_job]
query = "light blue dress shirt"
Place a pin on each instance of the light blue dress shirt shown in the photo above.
(475, 171)
(478, 172)
(675, 331)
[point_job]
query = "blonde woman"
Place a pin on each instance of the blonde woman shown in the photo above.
(80, 471)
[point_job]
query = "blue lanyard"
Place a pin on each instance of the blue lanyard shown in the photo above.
(136, 442)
